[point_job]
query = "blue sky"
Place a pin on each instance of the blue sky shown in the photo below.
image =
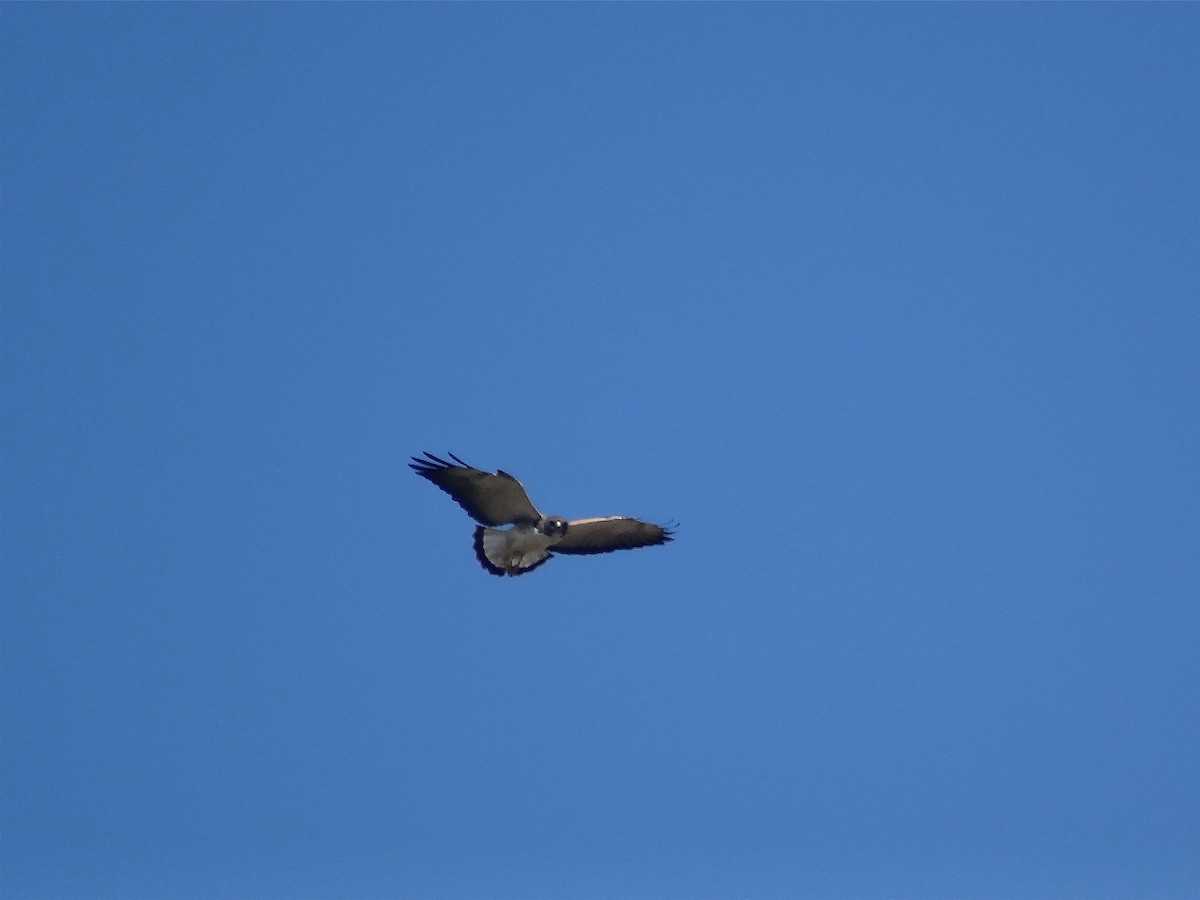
(893, 308)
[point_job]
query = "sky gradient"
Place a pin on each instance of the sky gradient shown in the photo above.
(893, 308)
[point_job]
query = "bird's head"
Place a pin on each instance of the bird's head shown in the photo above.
(552, 526)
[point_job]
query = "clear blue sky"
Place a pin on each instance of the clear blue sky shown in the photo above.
(895, 308)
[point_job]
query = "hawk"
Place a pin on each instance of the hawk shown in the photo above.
(496, 498)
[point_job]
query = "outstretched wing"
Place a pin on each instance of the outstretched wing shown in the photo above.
(610, 533)
(490, 498)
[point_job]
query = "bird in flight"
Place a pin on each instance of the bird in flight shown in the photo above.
(496, 499)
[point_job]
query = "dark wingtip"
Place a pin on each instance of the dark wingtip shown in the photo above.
(432, 463)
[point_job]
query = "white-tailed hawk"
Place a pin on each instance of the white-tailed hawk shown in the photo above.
(496, 499)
